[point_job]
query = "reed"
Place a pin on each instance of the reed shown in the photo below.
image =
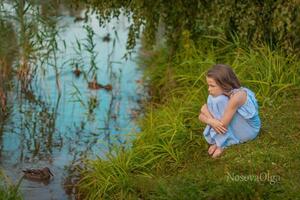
(89, 46)
(36, 36)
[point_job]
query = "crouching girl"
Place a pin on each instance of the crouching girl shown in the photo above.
(231, 111)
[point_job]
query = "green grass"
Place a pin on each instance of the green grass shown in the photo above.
(168, 159)
(8, 190)
(274, 154)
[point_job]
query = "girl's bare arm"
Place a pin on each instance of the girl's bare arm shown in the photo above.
(235, 101)
(206, 117)
(204, 110)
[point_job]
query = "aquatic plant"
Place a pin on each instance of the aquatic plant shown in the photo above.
(77, 61)
(90, 48)
(37, 40)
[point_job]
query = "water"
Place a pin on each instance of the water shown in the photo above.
(59, 120)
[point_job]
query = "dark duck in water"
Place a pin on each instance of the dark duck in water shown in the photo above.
(77, 71)
(94, 85)
(106, 38)
(43, 174)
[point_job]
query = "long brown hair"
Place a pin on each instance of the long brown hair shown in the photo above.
(224, 77)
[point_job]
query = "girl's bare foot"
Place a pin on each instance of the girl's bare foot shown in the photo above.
(217, 152)
(212, 149)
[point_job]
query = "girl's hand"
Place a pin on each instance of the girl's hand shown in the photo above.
(217, 125)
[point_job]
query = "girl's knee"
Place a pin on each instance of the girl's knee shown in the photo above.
(221, 99)
(217, 105)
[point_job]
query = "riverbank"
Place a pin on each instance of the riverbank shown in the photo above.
(168, 159)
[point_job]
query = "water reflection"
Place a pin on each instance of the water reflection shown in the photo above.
(65, 91)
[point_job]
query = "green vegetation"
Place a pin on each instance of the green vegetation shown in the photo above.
(169, 160)
(30, 41)
(274, 22)
(8, 191)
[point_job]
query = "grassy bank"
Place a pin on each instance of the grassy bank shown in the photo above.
(168, 159)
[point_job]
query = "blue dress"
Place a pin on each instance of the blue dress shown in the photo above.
(244, 125)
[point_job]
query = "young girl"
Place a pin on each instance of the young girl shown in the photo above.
(231, 112)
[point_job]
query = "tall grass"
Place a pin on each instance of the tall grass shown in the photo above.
(170, 137)
(8, 190)
(156, 147)
(36, 36)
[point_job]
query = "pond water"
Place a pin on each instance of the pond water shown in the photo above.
(57, 119)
